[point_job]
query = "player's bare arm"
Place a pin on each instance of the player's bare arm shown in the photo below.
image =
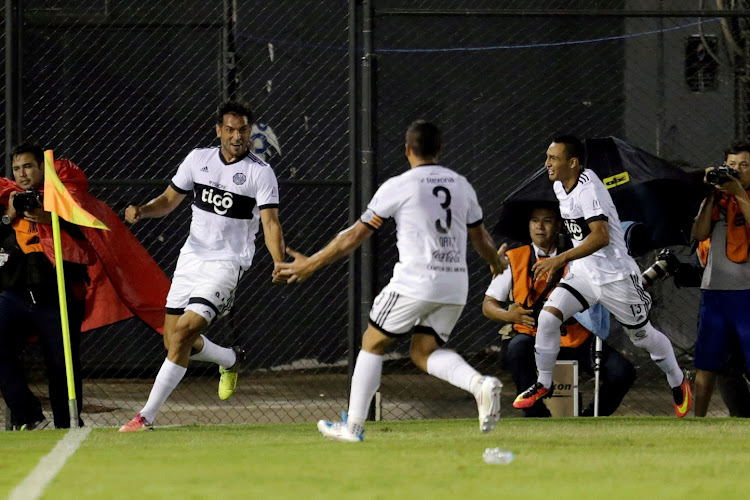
(485, 247)
(492, 309)
(160, 206)
(598, 238)
(274, 238)
(342, 245)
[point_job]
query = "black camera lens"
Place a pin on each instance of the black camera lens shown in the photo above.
(721, 175)
(28, 200)
(665, 265)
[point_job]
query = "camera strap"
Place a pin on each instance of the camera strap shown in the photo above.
(551, 284)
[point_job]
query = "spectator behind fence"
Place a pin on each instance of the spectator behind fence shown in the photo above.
(601, 272)
(102, 287)
(434, 209)
(722, 229)
(527, 297)
(233, 193)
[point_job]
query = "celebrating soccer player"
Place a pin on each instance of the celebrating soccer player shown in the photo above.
(600, 271)
(434, 209)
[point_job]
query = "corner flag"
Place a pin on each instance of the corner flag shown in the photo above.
(57, 198)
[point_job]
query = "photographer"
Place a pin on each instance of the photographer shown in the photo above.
(528, 296)
(724, 238)
(28, 297)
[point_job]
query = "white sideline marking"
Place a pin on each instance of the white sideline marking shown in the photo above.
(34, 484)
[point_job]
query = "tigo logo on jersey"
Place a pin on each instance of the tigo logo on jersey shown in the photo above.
(221, 203)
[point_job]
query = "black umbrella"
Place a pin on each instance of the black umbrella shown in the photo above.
(644, 188)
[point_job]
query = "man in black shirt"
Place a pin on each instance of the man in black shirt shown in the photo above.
(29, 301)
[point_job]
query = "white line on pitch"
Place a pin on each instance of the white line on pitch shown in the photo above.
(34, 484)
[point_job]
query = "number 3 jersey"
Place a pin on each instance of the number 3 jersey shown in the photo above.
(589, 201)
(227, 199)
(432, 207)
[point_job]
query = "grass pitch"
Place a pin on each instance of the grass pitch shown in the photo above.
(555, 459)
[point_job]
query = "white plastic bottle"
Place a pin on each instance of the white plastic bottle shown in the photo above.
(497, 456)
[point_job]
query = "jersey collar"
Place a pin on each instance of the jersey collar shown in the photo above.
(225, 162)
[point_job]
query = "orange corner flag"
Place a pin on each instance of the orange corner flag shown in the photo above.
(57, 198)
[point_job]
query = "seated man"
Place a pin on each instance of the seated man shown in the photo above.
(527, 297)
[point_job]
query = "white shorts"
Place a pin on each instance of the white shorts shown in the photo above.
(204, 287)
(396, 315)
(626, 299)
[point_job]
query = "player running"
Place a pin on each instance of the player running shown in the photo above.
(434, 209)
(232, 190)
(600, 271)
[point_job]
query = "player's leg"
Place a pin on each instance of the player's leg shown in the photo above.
(522, 366)
(630, 304)
(212, 299)
(572, 295)
(365, 383)
(430, 334)
(392, 316)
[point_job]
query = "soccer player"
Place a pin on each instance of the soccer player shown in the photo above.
(600, 271)
(434, 209)
(232, 190)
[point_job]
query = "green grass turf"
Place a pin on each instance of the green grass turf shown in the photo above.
(633, 458)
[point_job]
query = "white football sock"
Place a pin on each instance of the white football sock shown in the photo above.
(167, 379)
(451, 367)
(658, 346)
(222, 356)
(365, 383)
(547, 346)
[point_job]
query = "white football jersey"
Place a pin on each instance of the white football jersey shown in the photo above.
(227, 199)
(432, 207)
(589, 201)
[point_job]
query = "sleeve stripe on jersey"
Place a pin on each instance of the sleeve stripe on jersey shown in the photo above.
(375, 221)
(268, 205)
(597, 217)
(475, 224)
(178, 189)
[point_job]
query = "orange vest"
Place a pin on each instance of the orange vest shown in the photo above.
(738, 232)
(526, 292)
(27, 236)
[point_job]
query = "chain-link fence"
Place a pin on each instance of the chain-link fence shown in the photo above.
(126, 89)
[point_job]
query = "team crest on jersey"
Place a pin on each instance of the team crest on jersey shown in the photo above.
(239, 179)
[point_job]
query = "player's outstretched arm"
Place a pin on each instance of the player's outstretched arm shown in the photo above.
(596, 239)
(160, 206)
(274, 238)
(485, 247)
(342, 245)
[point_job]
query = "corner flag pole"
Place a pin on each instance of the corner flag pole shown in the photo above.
(72, 401)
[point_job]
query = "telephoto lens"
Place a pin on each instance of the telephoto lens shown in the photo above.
(665, 265)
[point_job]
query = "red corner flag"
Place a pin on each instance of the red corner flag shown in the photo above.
(57, 198)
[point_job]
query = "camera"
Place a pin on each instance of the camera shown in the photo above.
(721, 174)
(28, 200)
(666, 264)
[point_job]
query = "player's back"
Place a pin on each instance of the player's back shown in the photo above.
(432, 206)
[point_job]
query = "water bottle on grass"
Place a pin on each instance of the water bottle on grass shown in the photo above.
(497, 456)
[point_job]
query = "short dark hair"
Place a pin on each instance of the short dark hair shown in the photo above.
(573, 146)
(240, 108)
(32, 147)
(737, 147)
(424, 138)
